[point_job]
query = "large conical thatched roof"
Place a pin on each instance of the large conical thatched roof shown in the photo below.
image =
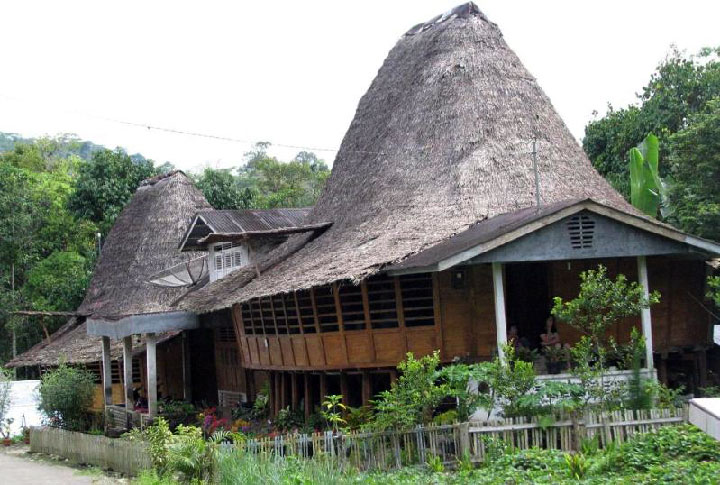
(143, 241)
(442, 139)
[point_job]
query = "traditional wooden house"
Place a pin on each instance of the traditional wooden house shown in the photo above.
(459, 204)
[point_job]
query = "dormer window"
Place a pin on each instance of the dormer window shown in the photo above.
(227, 257)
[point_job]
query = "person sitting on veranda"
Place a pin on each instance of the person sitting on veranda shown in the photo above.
(514, 338)
(551, 337)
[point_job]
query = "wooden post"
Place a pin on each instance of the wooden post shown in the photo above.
(323, 386)
(250, 384)
(151, 351)
(127, 372)
(366, 388)
(107, 370)
(272, 397)
(645, 314)
(283, 391)
(294, 396)
(186, 371)
(308, 395)
(500, 321)
(344, 389)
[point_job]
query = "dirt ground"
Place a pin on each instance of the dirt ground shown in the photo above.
(19, 466)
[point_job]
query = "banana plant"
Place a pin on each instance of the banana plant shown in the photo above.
(647, 189)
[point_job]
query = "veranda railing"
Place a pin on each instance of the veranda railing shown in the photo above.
(394, 449)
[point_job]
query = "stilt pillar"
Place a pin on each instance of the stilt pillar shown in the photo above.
(366, 388)
(107, 371)
(500, 319)
(187, 374)
(127, 372)
(645, 314)
(151, 351)
(308, 395)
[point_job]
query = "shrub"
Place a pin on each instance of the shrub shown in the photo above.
(413, 397)
(66, 395)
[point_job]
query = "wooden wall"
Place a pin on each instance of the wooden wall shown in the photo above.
(228, 366)
(327, 331)
(337, 327)
(679, 320)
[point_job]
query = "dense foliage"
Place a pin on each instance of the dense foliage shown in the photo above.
(56, 194)
(680, 105)
(265, 182)
(66, 394)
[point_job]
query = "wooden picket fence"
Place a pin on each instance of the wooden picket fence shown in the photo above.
(395, 449)
(128, 457)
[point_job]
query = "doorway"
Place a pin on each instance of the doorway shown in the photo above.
(527, 299)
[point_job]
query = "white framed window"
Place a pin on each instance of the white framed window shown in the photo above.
(227, 257)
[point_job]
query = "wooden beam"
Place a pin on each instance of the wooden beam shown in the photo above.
(368, 322)
(151, 351)
(272, 391)
(323, 386)
(127, 372)
(186, 367)
(645, 313)
(308, 395)
(317, 325)
(283, 390)
(341, 324)
(344, 390)
(107, 371)
(366, 388)
(294, 395)
(400, 313)
(437, 313)
(500, 320)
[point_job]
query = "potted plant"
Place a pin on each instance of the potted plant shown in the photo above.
(557, 358)
(5, 431)
(26, 434)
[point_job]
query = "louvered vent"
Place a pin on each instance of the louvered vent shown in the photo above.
(581, 229)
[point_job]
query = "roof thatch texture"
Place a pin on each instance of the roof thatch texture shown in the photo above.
(72, 345)
(144, 241)
(441, 140)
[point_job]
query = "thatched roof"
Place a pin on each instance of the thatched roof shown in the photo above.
(144, 241)
(440, 141)
(72, 345)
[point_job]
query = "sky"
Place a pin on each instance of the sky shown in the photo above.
(291, 72)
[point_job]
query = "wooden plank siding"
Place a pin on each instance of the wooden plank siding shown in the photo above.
(374, 324)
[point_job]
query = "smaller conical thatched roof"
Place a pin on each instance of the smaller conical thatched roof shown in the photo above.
(144, 241)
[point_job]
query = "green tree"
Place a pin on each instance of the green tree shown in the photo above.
(58, 282)
(681, 86)
(222, 190)
(695, 169)
(106, 183)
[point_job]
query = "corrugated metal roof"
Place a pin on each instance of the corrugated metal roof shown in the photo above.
(244, 222)
(253, 220)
